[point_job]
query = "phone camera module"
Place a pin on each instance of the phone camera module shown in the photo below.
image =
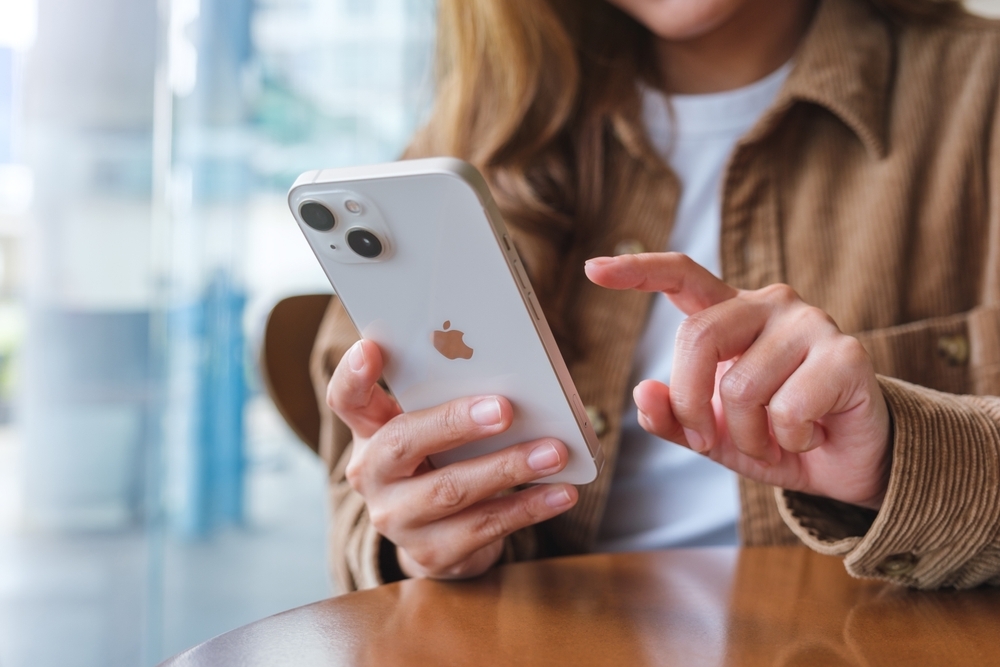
(317, 216)
(364, 243)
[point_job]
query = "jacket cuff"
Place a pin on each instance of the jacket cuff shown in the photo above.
(355, 545)
(942, 505)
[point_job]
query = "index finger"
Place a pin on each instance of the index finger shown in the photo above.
(690, 286)
(354, 393)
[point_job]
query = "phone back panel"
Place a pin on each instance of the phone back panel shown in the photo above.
(447, 302)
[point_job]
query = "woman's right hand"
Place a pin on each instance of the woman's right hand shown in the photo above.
(449, 522)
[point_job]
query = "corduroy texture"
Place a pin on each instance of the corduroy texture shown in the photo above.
(942, 509)
(872, 187)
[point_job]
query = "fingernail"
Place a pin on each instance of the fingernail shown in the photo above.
(558, 499)
(643, 419)
(356, 357)
(543, 458)
(599, 261)
(486, 412)
(695, 441)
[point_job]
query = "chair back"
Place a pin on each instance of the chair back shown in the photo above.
(284, 362)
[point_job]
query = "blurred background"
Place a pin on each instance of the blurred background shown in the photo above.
(150, 495)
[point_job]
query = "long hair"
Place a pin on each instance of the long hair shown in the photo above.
(529, 92)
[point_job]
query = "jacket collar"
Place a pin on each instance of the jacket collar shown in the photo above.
(845, 65)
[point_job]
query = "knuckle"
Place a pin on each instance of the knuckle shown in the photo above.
(535, 511)
(687, 264)
(507, 470)
(447, 493)
(684, 405)
(813, 317)
(490, 525)
(739, 388)
(693, 332)
(394, 439)
(821, 315)
(780, 293)
(380, 518)
(450, 421)
(852, 353)
(354, 472)
(786, 411)
(356, 466)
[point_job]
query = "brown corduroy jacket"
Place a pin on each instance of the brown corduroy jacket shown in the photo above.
(872, 187)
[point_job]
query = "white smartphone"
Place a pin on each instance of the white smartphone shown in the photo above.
(422, 262)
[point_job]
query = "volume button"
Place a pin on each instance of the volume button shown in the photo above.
(533, 305)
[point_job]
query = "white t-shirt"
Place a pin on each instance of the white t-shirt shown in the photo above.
(664, 495)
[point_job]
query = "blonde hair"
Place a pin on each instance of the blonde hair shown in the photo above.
(529, 91)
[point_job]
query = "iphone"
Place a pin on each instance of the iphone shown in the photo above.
(421, 260)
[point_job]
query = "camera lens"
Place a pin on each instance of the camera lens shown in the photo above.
(317, 216)
(364, 243)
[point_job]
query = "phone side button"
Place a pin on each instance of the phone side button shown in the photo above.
(533, 305)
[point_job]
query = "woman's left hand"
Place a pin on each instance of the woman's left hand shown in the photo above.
(762, 382)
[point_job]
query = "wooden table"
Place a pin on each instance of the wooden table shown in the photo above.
(756, 606)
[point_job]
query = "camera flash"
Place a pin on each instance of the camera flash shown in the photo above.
(352, 206)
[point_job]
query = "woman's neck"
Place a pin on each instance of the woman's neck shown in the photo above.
(758, 39)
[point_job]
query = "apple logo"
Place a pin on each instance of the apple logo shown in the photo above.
(450, 343)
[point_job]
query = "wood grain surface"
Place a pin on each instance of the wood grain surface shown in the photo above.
(755, 606)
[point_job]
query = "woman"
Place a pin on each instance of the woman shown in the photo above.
(845, 361)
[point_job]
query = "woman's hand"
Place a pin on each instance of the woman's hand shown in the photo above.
(762, 382)
(448, 522)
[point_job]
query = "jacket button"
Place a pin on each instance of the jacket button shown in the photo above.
(597, 420)
(629, 247)
(954, 349)
(898, 565)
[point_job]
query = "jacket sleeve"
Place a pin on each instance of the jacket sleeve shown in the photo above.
(359, 556)
(353, 543)
(939, 525)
